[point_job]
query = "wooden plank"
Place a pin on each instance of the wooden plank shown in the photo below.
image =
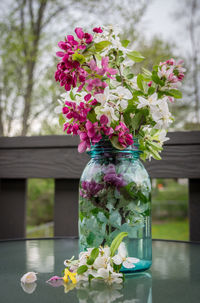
(39, 141)
(68, 163)
(194, 209)
(12, 208)
(176, 138)
(66, 207)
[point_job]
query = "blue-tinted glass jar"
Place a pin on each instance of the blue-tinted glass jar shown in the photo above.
(114, 197)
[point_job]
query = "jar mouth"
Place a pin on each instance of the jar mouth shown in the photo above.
(104, 146)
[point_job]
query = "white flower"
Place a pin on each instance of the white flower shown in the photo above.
(161, 114)
(121, 95)
(121, 257)
(109, 276)
(29, 277)
(103, 260)
(102, 98)
(162, 136)
(108, 111)
(105, 108)
(151, 101)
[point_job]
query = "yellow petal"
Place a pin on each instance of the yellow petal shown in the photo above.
(65, 279)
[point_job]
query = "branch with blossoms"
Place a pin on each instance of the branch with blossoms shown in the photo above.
(104, 99)
(97, 263)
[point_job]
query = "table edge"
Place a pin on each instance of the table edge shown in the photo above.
(76, 237)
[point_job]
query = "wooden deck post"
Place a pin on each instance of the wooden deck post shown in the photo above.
(194, 209)
(12, 208)
(66, 207)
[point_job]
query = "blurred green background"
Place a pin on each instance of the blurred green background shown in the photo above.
(169, 208)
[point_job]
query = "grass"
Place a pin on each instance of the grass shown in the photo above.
(42, 232)
(171, 230)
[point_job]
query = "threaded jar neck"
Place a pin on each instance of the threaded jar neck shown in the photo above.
(104, 148)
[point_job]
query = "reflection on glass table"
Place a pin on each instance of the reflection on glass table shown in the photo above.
(174, 275)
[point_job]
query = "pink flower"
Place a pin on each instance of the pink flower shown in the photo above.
(93, 131)
(124, 136)
(85, 38)
(96, 84)
(149, 83)
(105, 68)
(79, 32)
(87, 97)
(172, 72)
(97, 30)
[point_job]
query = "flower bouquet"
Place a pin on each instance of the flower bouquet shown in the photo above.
(119, 117)
(105, 99)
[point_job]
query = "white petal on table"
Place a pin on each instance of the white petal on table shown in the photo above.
(132, 260)
(127, 264)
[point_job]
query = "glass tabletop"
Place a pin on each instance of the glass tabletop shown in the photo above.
(173, 277)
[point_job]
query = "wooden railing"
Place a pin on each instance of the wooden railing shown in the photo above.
(57, 157)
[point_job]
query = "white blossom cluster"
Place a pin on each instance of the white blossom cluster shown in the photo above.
(102, 265)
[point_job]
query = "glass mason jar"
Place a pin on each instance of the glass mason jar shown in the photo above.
(114, 197)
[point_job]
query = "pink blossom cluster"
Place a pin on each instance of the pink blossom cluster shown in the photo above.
(93, 132)
(70, 72)
(123, 133)
(77, 113)
(172, 71)
(92, 78)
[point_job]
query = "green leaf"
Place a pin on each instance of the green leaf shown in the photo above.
(139, 81)
(146, 72)
(92, 116)
(135, 56)
(154, 153)
(101, 45)
(130, 76)
(116, 242)
(115, 142)
(136, 121)
(82, 269)
(156, 79)
(78, 57)
(61, 120)
(151, 90)
(175, 93)
(72, 95)
(125, 43)
(94, 254)
(118, 78)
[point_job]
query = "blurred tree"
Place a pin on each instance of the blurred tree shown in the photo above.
(28, 31)
(188, 14)
(21, 32)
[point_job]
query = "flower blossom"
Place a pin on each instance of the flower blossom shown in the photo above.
(112, 178)
(97, 30)
(105, 69)
(106, 107)
(172, 72)
(85, 38)
(151, 101)
(29, 277)
(69, 73)
(123, 134)
(69, 275)
(109, 276)
(121, 257)
(161, 114)
(120, 95)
